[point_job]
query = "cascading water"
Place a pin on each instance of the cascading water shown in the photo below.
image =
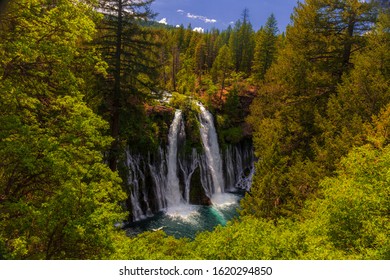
(188, 166)
(205, 176)
(158, 173)
(173, 193)
(138, 195)
(239, 166)
(173, 177)
(211, 148)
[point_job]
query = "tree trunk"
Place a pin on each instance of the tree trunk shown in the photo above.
(116, 104)
(348, 45)
(222, 85)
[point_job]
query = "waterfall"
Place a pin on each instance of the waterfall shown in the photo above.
(188, 166)
(158, 172)
(138, 195)
(211, 147)
(206, 176)
(239, 166)
(171, 177)
(173, 195)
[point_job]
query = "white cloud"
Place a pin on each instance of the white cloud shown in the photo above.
(210, 20)
(202, 18)
(163, 21)
(198, 29)
(180, 11)
(177, 26)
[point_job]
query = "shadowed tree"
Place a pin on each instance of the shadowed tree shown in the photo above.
(127, 47)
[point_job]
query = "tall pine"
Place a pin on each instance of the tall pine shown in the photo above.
(241, 44)
(265, 48)
(318, 52)
(128, 49)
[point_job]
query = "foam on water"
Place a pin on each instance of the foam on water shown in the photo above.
(224, 199)
(184, 212)
(188, 221)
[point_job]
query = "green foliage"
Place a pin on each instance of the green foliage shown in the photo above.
(232, 106)
(265, 49)
(192, 125)
(180, 101)
(58, 200)
(150, 246)
(232, 135)
(241, 44)
(362, 94)
(299, 127)
(186, 77)
(222, 66)
(129, 51)
(320, 120)
(356, 212)
(349, 221)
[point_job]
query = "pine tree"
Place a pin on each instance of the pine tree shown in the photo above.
(241, 43)
(128, 49)
(222, 66)
(200, 58)
(265, 49)
(320, 43)
(56, 193)
(361, 95)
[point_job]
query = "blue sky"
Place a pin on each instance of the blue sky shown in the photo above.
(206, 14)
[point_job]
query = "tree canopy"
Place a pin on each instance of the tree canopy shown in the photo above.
(81, 85)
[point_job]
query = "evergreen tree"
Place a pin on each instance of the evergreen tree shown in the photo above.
(265, 49)
(58, 200)
(319, 45)
(362, 94)
(200, 58)
(241, 43)
(127, 48)
(222, 66)
(177, 45)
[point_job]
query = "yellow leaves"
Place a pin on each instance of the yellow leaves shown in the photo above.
(80, 230)
(101, 68)
(379, 132)
(19, 247)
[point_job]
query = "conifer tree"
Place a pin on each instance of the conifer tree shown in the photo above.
(361, 95)
(241, 43)
(58, 200)
(200, 58)
(127, 48)
(265, 49)
(223, 64)
(320, 43)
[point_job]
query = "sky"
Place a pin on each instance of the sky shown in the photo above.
(206, 14)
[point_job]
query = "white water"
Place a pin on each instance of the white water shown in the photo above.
(188, 167)
(173, 193)
(211, 147)
(162, 181)
(136, 178)
(158, 174)
(239, 167)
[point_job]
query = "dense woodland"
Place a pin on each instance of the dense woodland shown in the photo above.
(80, 81)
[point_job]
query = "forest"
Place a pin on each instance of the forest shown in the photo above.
(82, 84)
